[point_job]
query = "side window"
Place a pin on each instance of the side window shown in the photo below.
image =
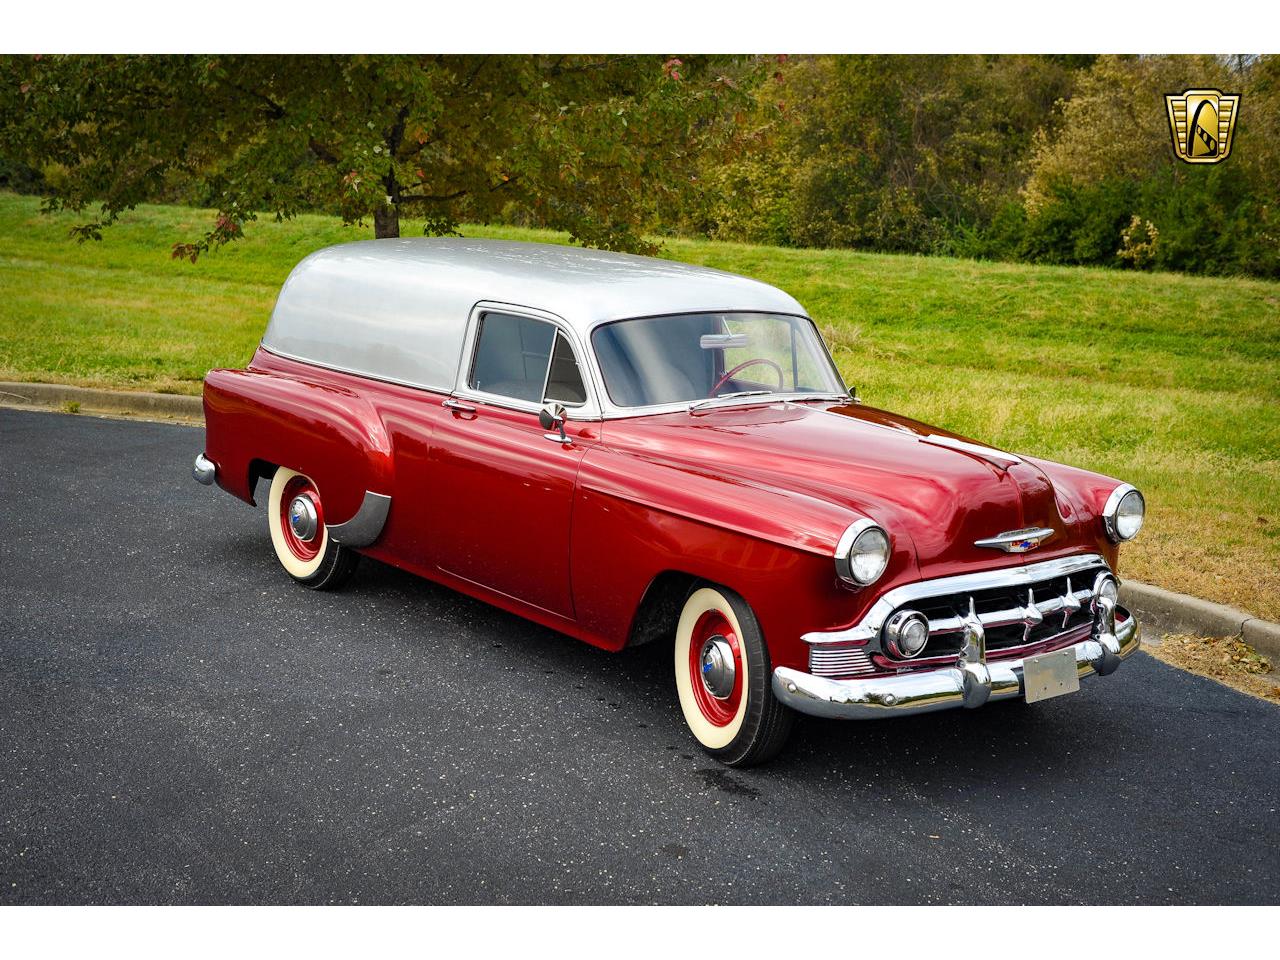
(525, 359)
(564, 379)
(511, 356)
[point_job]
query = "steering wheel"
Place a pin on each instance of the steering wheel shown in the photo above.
(742, 366)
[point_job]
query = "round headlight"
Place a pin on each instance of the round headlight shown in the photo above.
(862, 554)
(1124, 513)
(906, 633)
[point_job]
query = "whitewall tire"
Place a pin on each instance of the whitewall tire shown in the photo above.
(723, 679)
(295, 516)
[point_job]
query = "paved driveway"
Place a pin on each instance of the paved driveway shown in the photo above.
(179, 723)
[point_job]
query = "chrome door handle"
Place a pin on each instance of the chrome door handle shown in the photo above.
(457, 406)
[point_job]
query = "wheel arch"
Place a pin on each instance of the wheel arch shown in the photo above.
(259, 469)
(659, 609)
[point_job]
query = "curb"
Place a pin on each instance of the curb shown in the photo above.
(1163, 611)
(56, 395)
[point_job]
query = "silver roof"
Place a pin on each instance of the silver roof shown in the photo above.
(398, 309)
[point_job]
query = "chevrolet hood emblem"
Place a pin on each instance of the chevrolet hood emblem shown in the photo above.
(1017, 541)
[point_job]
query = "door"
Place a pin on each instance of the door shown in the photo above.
(505, 485)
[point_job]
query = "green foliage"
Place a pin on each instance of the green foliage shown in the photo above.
(1048, 159)
(886, 152)
(590, 145)
(1052, 159)
(1079, 224)
(1204, 219)
(1111, 165)
(19, 177)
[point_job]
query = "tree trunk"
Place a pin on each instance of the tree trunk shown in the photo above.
(386, 222)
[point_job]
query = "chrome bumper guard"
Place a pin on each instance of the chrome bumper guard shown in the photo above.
(970, 683)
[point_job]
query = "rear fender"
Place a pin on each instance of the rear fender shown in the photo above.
(331, 434)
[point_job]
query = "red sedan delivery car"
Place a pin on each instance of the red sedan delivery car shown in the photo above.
(632, 450)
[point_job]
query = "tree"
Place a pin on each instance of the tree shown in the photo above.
(885, 152)
(1105, 187)
(1115, 125)
(590, 145)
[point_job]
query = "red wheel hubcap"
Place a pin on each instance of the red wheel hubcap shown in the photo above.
(300, 486)
(715, 662)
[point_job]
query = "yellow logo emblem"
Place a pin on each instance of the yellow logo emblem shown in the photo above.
(1201, 122)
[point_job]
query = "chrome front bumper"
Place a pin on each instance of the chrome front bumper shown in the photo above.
(970, 683)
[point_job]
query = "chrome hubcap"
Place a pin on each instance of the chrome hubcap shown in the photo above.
(303, 519)
(718, 669)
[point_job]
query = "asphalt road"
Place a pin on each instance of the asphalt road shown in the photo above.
(179, 723)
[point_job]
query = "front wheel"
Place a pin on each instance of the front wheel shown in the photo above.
(303, 546)
(723, 679)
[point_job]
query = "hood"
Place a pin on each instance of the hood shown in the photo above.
(877, 465)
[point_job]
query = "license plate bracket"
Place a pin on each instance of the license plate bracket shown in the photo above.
(1050, 675)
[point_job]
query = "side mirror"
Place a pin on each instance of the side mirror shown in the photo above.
(551, 417)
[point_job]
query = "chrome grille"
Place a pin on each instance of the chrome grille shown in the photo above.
(840, 661)
(1012, 616)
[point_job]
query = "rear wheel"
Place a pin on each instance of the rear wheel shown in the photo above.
(723, 680)
(303, 546)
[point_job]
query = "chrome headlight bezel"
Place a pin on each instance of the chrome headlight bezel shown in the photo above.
(1113, 515)
(895, 630)
(862, 532)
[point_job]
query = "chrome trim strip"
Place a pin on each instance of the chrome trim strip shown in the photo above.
(993, 456)
(970, 683)
(204, 469)
(1011, 540)
(365, 527)
(1028, 576)
(1112, 505)
(839, 662)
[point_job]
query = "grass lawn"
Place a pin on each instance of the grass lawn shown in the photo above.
(1167, 381)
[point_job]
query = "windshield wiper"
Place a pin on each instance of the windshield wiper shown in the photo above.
(698, 404)
(801, 397)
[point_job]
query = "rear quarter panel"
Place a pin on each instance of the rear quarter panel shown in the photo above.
(327, 431)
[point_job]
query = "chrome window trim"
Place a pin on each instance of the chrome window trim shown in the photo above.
(589, 410)
(1113, 504)
(1026, 575)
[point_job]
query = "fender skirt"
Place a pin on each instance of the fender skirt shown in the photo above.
(364, 528)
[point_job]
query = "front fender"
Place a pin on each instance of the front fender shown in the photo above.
(635, 518)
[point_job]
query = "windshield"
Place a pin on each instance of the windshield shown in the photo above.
(697, 356)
